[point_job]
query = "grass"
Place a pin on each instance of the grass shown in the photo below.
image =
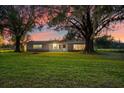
(112, 50)
(61, 69)
(4, 51)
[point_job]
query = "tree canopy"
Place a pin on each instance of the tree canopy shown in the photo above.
(88, 21)
(20, 20)
(82, 22)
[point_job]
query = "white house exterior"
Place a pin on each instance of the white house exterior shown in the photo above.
(55, 45)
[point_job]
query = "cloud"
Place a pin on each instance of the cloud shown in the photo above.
(46, 35)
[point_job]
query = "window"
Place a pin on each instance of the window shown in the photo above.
(55, 46)
(64, 46)
(37, 46)
(78, 47)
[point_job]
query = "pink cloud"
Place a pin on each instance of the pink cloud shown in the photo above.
(44, 36)
(118, 34)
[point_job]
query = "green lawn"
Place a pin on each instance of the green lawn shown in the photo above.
(65, 69)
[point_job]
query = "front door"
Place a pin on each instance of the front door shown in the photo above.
(55, 46)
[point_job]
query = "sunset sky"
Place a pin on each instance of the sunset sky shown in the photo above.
(47, 34)
(118, 34)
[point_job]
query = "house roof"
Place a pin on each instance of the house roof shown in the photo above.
(56, 41)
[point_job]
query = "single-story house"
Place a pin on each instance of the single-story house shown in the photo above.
(55, 45)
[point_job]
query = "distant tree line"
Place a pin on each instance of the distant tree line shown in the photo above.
(107, 42)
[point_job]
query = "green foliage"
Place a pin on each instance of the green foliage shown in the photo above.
(105, 41)
(61, 17)
(70, 35)
(1, 17)
(20, 20)
(58, 15)
(6, 51)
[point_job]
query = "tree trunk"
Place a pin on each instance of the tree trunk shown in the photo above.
(89, 46)
(17, 44)
(24, 47)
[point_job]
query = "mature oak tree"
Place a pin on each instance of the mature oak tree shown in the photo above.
(87, 21)
(20, 20)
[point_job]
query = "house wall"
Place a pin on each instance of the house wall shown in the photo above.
(71, 47)
(48, 46)
(44, 46)
(59, 47)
